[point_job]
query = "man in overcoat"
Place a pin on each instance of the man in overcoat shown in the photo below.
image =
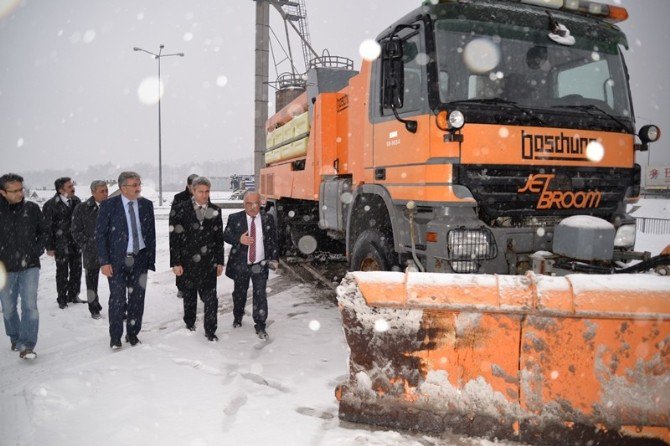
(84, 219)
(60, 244)
(185, 195)
(196, 254)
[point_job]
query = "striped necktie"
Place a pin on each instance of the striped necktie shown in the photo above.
(133, 228)
(252, 245)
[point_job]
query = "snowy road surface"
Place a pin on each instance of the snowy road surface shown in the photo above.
(176, 388)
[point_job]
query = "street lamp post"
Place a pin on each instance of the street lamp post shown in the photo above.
(160, 152)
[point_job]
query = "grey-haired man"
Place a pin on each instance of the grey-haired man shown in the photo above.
(84, 218)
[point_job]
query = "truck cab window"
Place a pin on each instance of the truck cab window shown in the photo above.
(591, 80)
(414, 89)
(523, 66)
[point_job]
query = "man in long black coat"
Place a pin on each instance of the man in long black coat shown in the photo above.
(60, 244)
(83, 231)
(253, 236)
(185, 195)
(196, 254)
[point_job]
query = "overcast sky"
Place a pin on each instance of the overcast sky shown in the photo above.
(69, 79)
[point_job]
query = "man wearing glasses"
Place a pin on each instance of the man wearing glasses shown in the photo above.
(126, 237)
(22, 240)
(253, 236)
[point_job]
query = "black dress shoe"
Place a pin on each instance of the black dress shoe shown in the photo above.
(237, 323)
(212, 338)
(96, 315)
(132, 340)
(115, 344)
(27, 353)
(62, 305)
(191, 327)
(262, 333)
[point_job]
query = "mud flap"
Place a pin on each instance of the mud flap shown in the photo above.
(548, 360)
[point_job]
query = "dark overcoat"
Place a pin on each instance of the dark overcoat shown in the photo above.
(197, 247)
(84, 218)
(58, 217)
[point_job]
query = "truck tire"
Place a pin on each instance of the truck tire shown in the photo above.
(372, 251)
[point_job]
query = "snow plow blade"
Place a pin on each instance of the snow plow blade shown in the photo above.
(580, 359)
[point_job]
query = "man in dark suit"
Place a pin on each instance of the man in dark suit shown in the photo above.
(196, 254)
(60, 244)
(179, 198)
(83, 231)
(126, 237)
(253, 236)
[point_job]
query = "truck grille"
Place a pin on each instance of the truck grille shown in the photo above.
(567, 191)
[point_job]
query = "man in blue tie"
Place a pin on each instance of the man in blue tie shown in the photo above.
(126, 237)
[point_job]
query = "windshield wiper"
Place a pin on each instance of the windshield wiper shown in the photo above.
(500, 101)
(587, 107)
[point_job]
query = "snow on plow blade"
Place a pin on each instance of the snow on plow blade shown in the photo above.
(580, 359)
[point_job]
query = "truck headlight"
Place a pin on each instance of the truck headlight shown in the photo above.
(465, 247)
(625, 236)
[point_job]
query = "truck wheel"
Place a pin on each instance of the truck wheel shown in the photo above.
(372, 252)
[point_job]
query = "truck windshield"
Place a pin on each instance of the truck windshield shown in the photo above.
(478, 60)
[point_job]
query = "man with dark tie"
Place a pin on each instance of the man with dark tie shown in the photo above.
(126, 237)
(60, 244)
(196, 254)
(253, 236)
(83, 231)
(185, 195)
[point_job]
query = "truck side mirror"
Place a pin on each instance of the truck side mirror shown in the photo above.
(393, 87)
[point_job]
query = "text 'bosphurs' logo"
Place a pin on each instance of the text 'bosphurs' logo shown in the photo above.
(559, 147)
(558, 199)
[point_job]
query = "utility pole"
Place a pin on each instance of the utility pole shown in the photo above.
(261, 84)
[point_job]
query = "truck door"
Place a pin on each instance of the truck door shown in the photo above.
(398, 154)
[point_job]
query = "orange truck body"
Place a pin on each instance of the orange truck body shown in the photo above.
(337, 158)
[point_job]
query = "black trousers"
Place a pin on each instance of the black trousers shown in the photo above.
(179, 281)
(68, 276)
(259, 278)
(92, 290)
(210, 301)
(127, 288)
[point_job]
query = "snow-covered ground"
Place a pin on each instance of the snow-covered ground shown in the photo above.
(176, 388)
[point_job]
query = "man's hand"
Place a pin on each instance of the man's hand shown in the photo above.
(51, 253)
(178, 270)
(219, 270)
(107, 270)
(246, 239)
(273, 265)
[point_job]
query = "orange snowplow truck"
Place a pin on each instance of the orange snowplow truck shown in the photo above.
(490, 146)
(485, 132)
